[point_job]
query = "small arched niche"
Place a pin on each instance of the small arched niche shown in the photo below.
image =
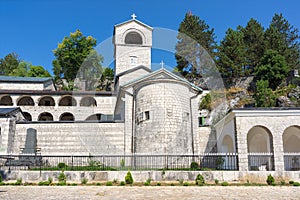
(25, 101)
(45, 116)
(67, 117)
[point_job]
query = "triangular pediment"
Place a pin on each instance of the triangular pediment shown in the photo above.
(161, 74)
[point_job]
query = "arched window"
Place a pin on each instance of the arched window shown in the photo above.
(45, 116)
(27, 116)
(67, 101)
(47, 101)
(88, 101)
(66, 117)
(133, 38)
(25, 101)
(6, 101)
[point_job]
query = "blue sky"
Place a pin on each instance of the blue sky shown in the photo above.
(33, 28)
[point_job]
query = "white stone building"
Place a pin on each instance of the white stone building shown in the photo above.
(149, 112)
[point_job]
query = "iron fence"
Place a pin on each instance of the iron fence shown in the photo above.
(214, 161)
(261, 161)
(292, 161)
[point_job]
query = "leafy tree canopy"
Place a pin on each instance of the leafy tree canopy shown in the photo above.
(74, 52)
(272, 68)
(9, 63)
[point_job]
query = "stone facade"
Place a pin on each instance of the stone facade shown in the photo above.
(261, 131)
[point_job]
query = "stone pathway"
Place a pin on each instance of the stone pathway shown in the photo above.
(119, 192)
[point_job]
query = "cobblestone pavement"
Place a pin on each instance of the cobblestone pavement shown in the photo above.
(119, 192)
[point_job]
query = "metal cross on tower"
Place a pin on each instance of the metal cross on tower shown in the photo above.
(133, 16)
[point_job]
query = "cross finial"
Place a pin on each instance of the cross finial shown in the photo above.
(133, 16)
(162, 64)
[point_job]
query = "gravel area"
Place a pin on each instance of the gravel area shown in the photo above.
(134, 192)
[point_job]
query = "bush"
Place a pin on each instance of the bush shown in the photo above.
(62, 179)
(43, 183)
(109, 183)
(224, 183)
(146, 183)
(1, 179)
(296, 184)
(158, 184)
(122, 183)
(84, 181)
(186, 184)
(61, 165)
(172, 184)
(216, 181)
(199, 180)
(19, 181)
(291, 182)
(98, 184)
(270, 180)
(194, 165)
(149, 180)
(128, 178)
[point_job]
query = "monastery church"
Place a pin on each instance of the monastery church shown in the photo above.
(149, 112)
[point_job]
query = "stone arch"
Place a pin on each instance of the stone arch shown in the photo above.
(260, 149)
(27, 116)
(67, 100)
(291, 139)
(25, 101)
(46, 101)
(133, 37)
(96, 116)
(6, 100)
(227, 144)
(88, 101)
(259, 139)
(67, 117)
(45, 116)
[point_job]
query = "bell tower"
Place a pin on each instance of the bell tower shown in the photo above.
(132, 43)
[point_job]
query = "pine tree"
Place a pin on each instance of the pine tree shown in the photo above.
(195, 41)
(231, 55)
(284, 38)
(254, 42)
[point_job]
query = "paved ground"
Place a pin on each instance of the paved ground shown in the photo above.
(118, 192)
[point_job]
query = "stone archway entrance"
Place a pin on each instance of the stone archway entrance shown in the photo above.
(291, 148)
(260, 149)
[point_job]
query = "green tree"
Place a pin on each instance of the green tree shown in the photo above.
(9, 63)
(38, 71)
(231, 54)
(264, 96)
(254, 43)
(26, 69)
(71, 54)
(21, 70)
(284, 38)
(195, 41)
(272, 68)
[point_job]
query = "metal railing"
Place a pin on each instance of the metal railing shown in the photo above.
(292, 161)
(263, 161)
(213, 161)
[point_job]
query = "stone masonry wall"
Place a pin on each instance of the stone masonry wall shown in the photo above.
(74, 138)
(168, 128)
